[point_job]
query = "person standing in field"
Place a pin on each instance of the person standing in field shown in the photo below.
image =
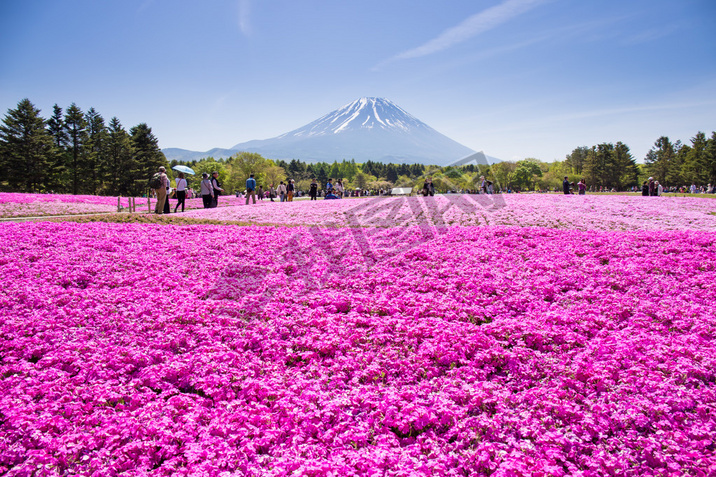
(167, 208)
(261, 193)
(217, 188)
(250, 188)
(565, 185)
(207, 191)
(161, 191)
(181, 191)
(290, 189)
(313, 191)
(282, 192)
(582, 187)
(329, 186)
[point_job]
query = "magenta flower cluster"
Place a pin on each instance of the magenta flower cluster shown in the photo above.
(135, 349)
(14, 204)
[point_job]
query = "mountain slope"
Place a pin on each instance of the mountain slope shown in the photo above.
(367, 129)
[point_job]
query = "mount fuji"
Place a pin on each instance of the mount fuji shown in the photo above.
(374, 129)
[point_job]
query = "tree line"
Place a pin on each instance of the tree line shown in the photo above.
(370, 175)
(609, 166)
(75, 152)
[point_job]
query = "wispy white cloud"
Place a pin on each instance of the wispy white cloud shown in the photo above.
(472, 26)
(652, 34)
(245, 17)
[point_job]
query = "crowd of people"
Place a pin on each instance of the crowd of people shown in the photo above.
(211, 189)
(287, 191)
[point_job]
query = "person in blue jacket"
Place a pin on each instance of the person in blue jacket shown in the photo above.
(250, 188)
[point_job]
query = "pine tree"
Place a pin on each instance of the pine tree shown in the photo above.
(120, 161)
(659, 161)
(147, 155)
(76, 128)
(335, 172)
(96, 152)
(695, 163)
(577, 158)
(711, 158)
(625, 171)
(351, 170)
(57, 167)
(56, 128)
(25, 148)
(391, 173)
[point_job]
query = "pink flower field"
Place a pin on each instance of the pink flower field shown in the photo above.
(558, 337)
(14, 205)
(595, 212)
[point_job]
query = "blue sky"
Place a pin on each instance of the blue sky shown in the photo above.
(513, 78)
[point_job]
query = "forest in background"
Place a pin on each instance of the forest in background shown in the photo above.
(77, 152)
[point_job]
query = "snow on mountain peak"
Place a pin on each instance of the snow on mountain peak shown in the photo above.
(363, 113)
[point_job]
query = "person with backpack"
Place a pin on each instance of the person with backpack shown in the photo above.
(207, 191)
(159, 182)
(216, 185)
(250, 188)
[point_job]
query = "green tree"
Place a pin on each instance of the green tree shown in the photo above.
(243, 165)
(695, 167)
(660, 161)
(96, 152)
(625, 171)
(120, 166)
(320, 171)
(526, 174)
(501, 172)
(350, 170)
(335, 172)
(390, 173)
(361, 180)
(297, 170)
(57, 166)
(576, 159)
(711, 158)
(147, 156)
(25, 148)
(76, 127)
(273, 175)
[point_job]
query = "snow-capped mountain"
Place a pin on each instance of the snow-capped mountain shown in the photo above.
(372, 129)
(364, 113)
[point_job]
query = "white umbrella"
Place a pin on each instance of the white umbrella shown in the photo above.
(184, 169)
